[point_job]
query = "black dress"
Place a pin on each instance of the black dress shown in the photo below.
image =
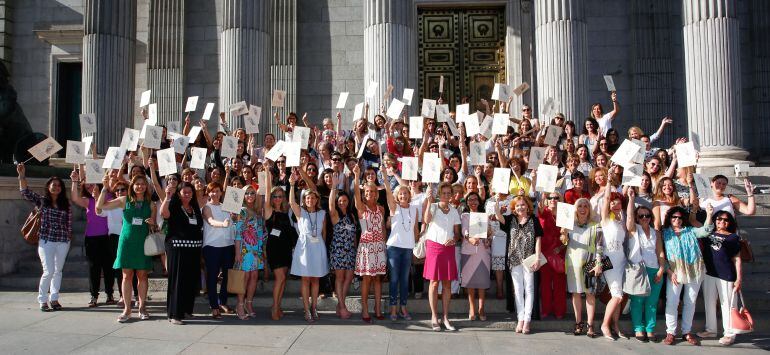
(280, 246)
(183, 252)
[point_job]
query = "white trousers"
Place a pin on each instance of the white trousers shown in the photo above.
(524, 292)
(690, 291)
(714, 287)
(52, 256)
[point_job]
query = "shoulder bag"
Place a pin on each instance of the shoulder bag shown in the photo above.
(155, 244)
(419, 247)
(636, 281)
(30, 230)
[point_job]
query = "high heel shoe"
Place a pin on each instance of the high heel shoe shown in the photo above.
(308, 316)
(590, 332)
(250, 309)
(314, 312)
(241, 312)
(448, 326)
(435, 327)
(274, 315)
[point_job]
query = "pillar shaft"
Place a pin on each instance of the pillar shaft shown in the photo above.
(244, 57)
(390, 50)
(165, 71)
(109, 54)
(283, 70)
(519, 38)
(561, 50)
(713, 75)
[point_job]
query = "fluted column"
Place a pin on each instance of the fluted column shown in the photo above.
(109, 42)
(518, 47)
(283, 71)
(390, 49)
(165, 71)
(244, 56)
(713, 75)
(560, 41)
(760, 48)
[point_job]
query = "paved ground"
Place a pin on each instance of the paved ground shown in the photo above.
(24, 329)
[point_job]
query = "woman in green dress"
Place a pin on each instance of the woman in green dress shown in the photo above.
(138, 221)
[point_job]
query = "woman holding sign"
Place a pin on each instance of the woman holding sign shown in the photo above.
(403, 231)
(476, 258)
(281, 238)
(139, 215)
(443, 231)
(183, 247)
(371, 261)
(553, 280)
(614, 234)
(218, 250)
(343, 244)
(524, 242)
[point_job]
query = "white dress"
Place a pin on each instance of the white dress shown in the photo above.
(309, 258)
(614, 236)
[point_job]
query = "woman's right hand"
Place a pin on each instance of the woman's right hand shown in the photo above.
(20, 169)
(673, 279)
(597, 270)
(238, 257)
(170, 190)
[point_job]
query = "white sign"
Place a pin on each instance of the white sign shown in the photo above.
(501, 92)
(279, 96)
(686, 155)
(409, 168)
(144, 100)
(431, 168)
(371, 91)
(239, 108)
(428, 108)
(461, 112)
(626, 154)
(408, 94)
(261, 182)
(552, 135)
(180, 144)
(292, 152)
(152, 114)
(130, 139)
(632, 175)
(478, 153)
(741, 170)
(546, 178)
(174, 127)
(442, 113)
(275, 152)
(152, 136)
(703, 186)
(610, 83)
(565, 215)
(208, 110)
(251, 121)
(342, 100)
(301, 135)
(193, 134)
(94, 171)
(548, 108)
(89, 140)
(113, 159)
(471, 125)
(500, 123)
(192, 104)
(45, 149)
(536, 156)
(501, 180)
(198, 158)
(166, 162)
(229, 147)
(416, 127)
(87, 124)
(478, 225)
(76, 152)
(522, 88)
(395, 109)
(486, 127)
(358, 112)
(453, 128)
(232, 200)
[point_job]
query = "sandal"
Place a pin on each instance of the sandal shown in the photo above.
(92, 302)
(176, 321)
(143, 315)
(309, 317)
(226, 309)
(216, 314)
(122, 318)
(578, 329)
(691, 339)
(250, 309)
(241, 312)
(436, 327)
(590, 332)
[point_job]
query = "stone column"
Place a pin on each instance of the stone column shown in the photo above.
(244, 57)
(560, 43)
(390, 50)
(519, 38)
(283, 71)
(760, 48)
(165, 71)
(713, 75)
(109, 41)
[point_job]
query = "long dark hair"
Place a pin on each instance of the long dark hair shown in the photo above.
(350, 210)
(732, 224)
(62, 202)
(176, 201)
(682, 211)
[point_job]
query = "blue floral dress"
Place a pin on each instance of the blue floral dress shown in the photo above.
(343, 245)
(251, 232)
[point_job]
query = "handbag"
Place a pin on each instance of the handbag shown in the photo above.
(636, 282)
(557, 263)
(155, 244)
(740, 318)
(30, 230)
(746, 253)
(591, 263)
(527, 263)
(236, 280)
(419, 247)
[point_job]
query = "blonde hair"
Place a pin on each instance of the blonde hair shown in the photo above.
(635, 129)
(283, 206)
(308, 193)
(591, 212)
(398, 189)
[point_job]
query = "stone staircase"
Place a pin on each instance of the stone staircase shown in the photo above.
(756, 275)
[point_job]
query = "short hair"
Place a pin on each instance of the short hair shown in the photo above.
(526, 200)
(213, 185)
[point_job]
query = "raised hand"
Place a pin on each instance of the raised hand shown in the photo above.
(614, 96)
(749, 186)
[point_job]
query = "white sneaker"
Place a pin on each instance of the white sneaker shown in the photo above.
(727, 340)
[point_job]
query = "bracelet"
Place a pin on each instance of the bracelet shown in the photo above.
(750, 196)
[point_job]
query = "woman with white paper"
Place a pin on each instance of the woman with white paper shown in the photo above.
(614, 235)
(442, 223)
(476, 256)
(403, 235)
(583, 242)
(342, 248)
(604, 120)
(523, 243)
(309, 260)
(218, 250)
(281, 238)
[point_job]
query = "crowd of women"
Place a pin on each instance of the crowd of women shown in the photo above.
(345, 214)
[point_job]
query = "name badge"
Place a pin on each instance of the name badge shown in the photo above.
(137, 221)
(276, 232)
(193, 220)
(375, 165)
(314, 239)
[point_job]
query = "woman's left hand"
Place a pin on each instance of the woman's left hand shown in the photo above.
(449, 242)
(737, 285)
(536, 266)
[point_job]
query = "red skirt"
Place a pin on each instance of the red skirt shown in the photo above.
(440, 263)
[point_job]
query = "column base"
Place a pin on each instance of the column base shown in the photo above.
(728, 156)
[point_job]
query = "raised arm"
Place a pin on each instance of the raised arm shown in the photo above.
(391, 200)
(75, 196)
(164, 207)
(606, 202)
(268, 208)
(306, 178)
(357, 190)
(154, 177)
(615, 105)
(335, 217)
(630, 212)
(663, 123)
(292, 202)
(427, 214)
(746, 208)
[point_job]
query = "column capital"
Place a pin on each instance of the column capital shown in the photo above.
(694, 11)
(399, 12)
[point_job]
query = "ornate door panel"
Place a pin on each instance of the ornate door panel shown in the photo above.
(466, 46)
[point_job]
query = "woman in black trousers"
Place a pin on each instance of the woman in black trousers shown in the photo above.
(183, 250)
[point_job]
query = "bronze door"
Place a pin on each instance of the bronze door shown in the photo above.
(466, 46)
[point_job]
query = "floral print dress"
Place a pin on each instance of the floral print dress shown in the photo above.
(343, 245)
(250, 230)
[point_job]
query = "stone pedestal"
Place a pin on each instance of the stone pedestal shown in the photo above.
(562, 72)
(390, 50)
(244, 57)
(109, 54)
(713, 75)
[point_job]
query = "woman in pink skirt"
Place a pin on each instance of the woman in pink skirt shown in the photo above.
(443, 231)
(371, 261)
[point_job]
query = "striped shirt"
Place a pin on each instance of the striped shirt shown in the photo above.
(55, 224)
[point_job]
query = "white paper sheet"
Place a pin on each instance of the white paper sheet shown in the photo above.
(130, 139)
(703, 186)
(441, 84)
(416, 127)
(239, 108)
(261, 182)
(144, 100)
(198, 158)
(113, 159)
(431, 168)
(276, 151)
(152, 136)
(292, 152)
(166, 162)
(565, 215)
(94, 171)
(279, 96)
(208, 110)
(301, 135)
(521, 89)
(546, 178)
(229, 147)
(452, 128)
(428, 108)
(478, 153)
(478, 224)
(75, 153)
(87, 124)
(625, 154)
(471, 125)
(500, 123)
(358, 111)
(395, 109)
(89, 141)
(232, 200)
(501, 180)
(152, 114)
(180, 144)
(552, 135)
(536, 156)
(192, 104)
(686, 155)
(610, 83)
(461, 112)
(342, 100)
(193, 134)
(409, 168)
(442, 113)
(371, 91)
(501, 92)
(408, 94)
(632, 175)
(45, 149)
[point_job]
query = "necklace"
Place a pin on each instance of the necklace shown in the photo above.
(313, 221)
(401, 213)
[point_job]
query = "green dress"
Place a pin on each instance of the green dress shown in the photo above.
(131, 243)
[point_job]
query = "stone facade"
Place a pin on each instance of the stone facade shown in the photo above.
(640, 42)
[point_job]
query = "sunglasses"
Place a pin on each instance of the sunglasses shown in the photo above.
(276, 196)
(336, 160)
(250, 193)
(122, 189)
(553, 197)
(526, 110)
(641, 216)
(723, 219)
(281, 162)
(676, 217)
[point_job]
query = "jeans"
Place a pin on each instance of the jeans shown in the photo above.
(52, 256)
(399, 261)
(713, 287)
(100, 261)
(644, 308)
(688, 309)
(524, 292)
(217, 259)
